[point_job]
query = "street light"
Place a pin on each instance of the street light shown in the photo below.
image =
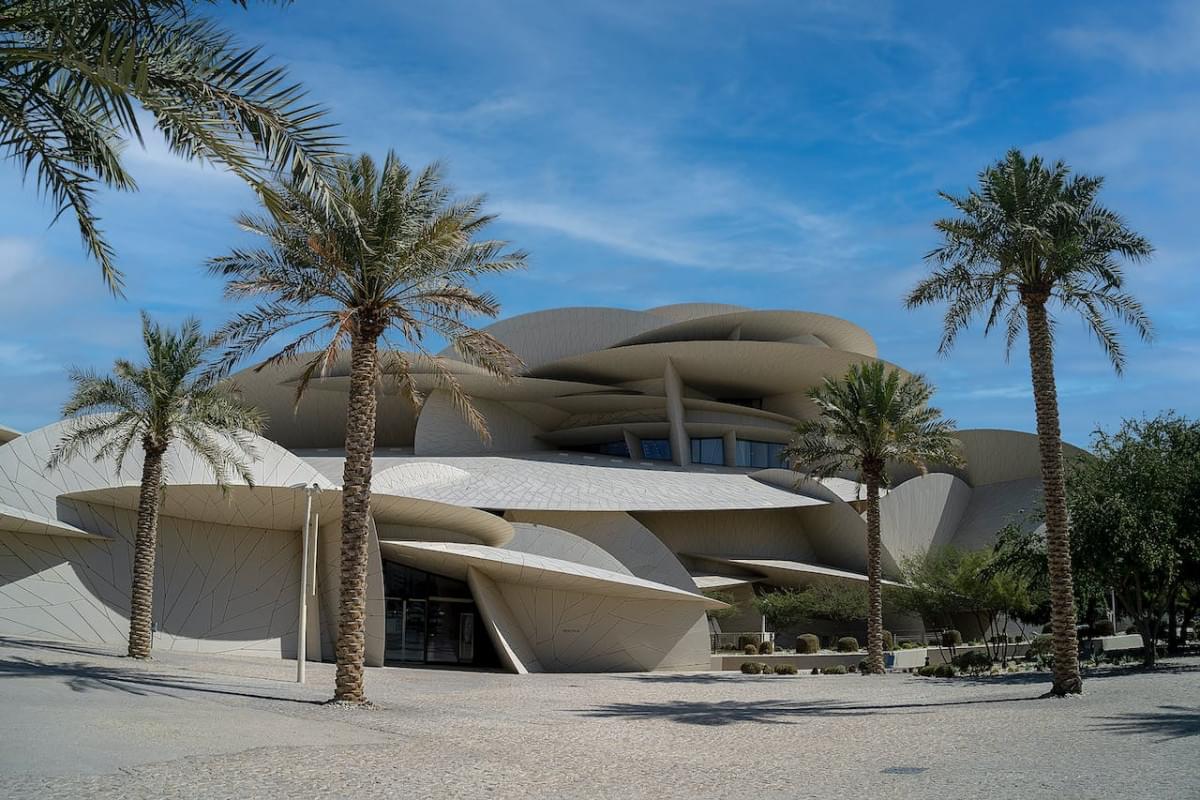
(302, 625)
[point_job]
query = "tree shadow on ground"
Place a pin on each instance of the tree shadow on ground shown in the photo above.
(81, 676)
(1169, 722)
(78, 648)
(769, 712)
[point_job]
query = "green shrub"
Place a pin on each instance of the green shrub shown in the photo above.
(863, 666)
(847, 644)
(807, 643)
(750, 649)
(943, 671)
(910, 645)
(951, 638)
(766, 648)
(1132, 629)
(751, 668)
(928, 671)
(744, 641)
(785, 669)
(1041, 645)
(889, 641)
(836, 669)
(851, 668)
(816, 671)
(973, 661)
(1103, 628)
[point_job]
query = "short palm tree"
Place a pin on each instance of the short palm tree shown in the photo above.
(401, 256)
(871, 417)
(1032, 236)
(168, 399)
(73, 72)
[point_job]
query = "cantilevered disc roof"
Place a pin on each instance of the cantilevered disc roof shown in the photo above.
(789, 572)
(528, 569)
(18, 520)
(764, 326)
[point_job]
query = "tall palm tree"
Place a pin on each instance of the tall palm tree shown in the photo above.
(167, 399)
(400, 256)
(73, 73)
(1033, 237)
(872, 416)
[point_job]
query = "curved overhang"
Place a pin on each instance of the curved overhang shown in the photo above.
(8, 434)
(720, 369)
(764, 326)
(680, 312)
(283, 508)
(790, 573)
(527, 569)
(18, 520)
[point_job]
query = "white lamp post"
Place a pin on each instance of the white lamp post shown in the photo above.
(302, 626)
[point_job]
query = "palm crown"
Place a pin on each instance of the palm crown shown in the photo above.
(398, 254)
(1033, 232)
(872, 416)
(71, 73)
(168, 398)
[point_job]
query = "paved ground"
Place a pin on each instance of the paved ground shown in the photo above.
(79, 722)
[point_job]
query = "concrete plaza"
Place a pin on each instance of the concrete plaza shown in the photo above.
(78, 721)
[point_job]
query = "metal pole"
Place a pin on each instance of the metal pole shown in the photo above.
(302, 627)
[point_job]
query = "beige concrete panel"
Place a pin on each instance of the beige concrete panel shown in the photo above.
(376, 623)
(680, 446)
(921, 514)
(18, 520)
(542, 336)
(574, 631)
(622, 538)
(765, 326)
(541, 534)
(442, 430)
(837, 535)
(995, 505)
(766, 533)
(501, 625)
(997, 456)
(681, 312)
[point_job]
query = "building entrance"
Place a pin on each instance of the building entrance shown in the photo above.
(432, 619)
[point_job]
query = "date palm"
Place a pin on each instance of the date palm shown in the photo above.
(1031, 238)
(74, 72)
(869, 418)
(401, 256)
(170, 398)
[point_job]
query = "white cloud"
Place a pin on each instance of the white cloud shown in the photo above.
(1172, 46)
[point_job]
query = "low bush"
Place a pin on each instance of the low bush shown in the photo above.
(807, 643)
(766, 648)
(1103, 628)
(863, 666)
(751, 668)
(816, 671)
(889, 641)
(910, 645)
(750, 649)
(951, 638)
(943, 671)
(745, 640)
(928, 671)
(836, 669)
(851, 668)
(847, 644)
(785, 669)
(1041, 645)
(975, 662)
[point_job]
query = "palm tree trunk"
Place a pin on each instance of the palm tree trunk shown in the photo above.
(356, 509)
(874, 576)
(1067, 678)
(145, 543)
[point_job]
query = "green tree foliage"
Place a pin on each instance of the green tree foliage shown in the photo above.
(74, 72)
(947, 581)
(731, 604)
(839, 602)
(1134, 515)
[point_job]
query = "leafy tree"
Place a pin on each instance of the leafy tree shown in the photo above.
(946, 581)
(403, 260)
(829, 600)
(731, 604)
(1030, 238)
(74, 72)
(167, 399)
(1133, 513)
(870, 417)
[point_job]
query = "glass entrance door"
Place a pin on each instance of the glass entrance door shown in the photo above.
(404, 630)
(431, 619)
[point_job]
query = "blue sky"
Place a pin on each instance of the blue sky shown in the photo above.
(773, 155)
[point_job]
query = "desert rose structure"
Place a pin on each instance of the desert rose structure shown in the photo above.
(634, 465)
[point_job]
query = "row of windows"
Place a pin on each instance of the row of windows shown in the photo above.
(747, 452)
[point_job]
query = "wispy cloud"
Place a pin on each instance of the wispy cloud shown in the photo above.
(1171, 44)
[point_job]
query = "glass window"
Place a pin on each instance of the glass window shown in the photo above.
(762, 455)
(604, 448)
(708, 451)
(656, 449)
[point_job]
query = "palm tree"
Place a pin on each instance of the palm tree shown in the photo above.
(1033, 235)
(872, 416)
(73, 72)
(400, 255)
(167, 399)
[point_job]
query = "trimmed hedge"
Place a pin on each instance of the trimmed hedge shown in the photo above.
(808, 643)
(766, 648)
(889, 641)
(750, 649)
(951, 638)
(785, 669)
(847, 644)
(836, 669)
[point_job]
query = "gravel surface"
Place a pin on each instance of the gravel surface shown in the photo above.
(78, 721)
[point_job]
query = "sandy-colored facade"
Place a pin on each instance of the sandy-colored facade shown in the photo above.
(634, 465)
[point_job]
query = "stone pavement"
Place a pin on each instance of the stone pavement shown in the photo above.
(77, 721)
